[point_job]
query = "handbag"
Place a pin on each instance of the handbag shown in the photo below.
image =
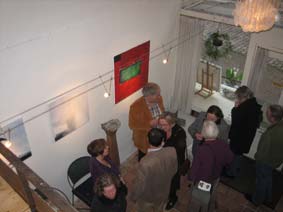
(201, 195)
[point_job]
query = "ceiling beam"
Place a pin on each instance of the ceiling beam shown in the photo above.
(206, 16)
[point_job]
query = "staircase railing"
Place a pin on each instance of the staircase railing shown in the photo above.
(32, 188)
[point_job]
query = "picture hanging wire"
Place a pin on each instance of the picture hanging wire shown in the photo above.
(102, 83)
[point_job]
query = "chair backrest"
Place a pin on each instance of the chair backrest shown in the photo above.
(78, 169)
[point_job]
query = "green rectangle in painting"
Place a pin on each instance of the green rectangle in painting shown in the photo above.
(130, 72)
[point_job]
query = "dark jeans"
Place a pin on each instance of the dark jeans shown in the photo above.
(175, 185)
(233, 169)
(263, 190)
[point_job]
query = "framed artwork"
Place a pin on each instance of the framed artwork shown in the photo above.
(17, 136)
(131, 71)
(68, 114)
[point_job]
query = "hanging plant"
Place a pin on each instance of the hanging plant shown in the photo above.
(218, 45)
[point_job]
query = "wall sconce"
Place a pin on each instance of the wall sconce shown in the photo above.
(106, 93)
(166, 58)
(7, 143)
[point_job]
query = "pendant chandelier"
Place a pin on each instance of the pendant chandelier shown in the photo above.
(256, 15)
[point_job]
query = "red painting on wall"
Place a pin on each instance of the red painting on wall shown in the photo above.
(131, 71)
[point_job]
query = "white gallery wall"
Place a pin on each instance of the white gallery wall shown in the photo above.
(48, 47)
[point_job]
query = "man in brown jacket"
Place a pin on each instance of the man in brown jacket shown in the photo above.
(154, 173)
(143, 115)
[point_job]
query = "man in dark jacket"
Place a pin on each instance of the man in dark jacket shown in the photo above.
(269, 155)
(246, 118)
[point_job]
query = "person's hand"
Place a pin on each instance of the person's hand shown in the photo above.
(237, 103)
(198, 136)
(154, 122)
(122, 180)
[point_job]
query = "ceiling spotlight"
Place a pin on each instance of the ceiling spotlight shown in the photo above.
(106, 95)
(165, 61)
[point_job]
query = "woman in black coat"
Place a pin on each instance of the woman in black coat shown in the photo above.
(246, 118)
(175, 137)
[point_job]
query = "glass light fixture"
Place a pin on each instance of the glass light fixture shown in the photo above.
(256, 15)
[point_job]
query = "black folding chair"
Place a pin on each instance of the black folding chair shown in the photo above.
(76, 171)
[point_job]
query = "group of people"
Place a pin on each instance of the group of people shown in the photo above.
(161, 143)
(146, 114)
(210, 147)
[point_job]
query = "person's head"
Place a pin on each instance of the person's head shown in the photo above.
(209, 130)
(151, 91)
(167, 120)
(274, 113)
(98, 147)
(156, 137)
(243, 93)
(214, 113)
(106, 185)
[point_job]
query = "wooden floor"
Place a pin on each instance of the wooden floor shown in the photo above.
(227, 199)
(10, 201)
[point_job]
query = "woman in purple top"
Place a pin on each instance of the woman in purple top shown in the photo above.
(100, 162)
(211, 156)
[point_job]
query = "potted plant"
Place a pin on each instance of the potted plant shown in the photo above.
(218, 45)
(233, 77)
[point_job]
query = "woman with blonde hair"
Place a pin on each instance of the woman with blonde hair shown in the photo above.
(175, 137)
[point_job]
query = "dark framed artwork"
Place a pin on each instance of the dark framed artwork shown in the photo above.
(131, 71)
